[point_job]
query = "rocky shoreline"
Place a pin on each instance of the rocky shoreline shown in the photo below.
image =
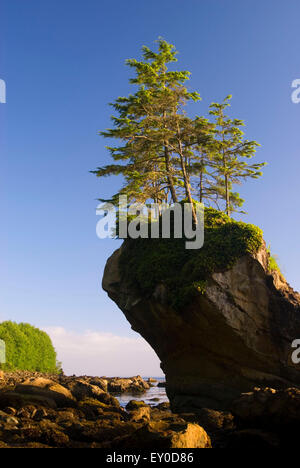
(56, 411)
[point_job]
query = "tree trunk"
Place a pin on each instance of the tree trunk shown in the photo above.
(227, 196)
(185, 177)
(226, 179)
(201, 182)
(169, 175)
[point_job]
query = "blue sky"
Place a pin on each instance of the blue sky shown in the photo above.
(63, 61)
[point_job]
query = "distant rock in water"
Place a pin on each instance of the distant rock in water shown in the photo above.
(216, 337)
(161, 384)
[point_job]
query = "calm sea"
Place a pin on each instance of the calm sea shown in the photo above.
(153, 396)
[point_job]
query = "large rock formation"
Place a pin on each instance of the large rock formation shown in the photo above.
(235, 335)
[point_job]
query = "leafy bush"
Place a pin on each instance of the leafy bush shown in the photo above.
(27, 348)
(148, 262)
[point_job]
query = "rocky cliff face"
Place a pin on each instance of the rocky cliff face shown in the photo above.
(235, 335)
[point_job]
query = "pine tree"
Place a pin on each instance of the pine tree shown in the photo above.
(153, 128)
(166, 156)
(229, 152)
(200, 167)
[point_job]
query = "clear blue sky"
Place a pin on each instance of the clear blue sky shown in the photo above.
(63, 61)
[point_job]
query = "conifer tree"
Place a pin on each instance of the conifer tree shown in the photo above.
(153, 129)
(230, 150)
(166, 156)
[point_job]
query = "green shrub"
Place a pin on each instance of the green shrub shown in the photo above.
(273, 261)
(148, 262)
(27, 348)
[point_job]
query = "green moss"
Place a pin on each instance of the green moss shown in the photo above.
(273, 262)
(147, 262)
(92, 402)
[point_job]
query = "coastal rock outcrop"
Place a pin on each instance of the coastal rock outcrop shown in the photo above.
(234, 334)
(132, 385)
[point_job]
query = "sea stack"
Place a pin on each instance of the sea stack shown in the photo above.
(228, 332)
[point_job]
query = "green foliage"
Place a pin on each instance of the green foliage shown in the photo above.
(147, 262)
(273, 261)
(147, 125)
(27, 348)
(230, 154)
(162, 153)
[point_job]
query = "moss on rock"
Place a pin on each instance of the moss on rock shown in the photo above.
(145, 263)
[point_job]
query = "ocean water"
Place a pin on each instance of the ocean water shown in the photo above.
(153, 396)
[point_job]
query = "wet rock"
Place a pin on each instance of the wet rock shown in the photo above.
(151, 380)
(163, 406)
(135, 404)
(161, 384)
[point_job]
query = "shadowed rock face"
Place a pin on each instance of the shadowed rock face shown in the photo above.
(234, 336)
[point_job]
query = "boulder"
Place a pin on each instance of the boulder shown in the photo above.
(165, 435)
(234, 334)
(99, 382)
(214, 421)
(267, 417)
(135, 404)
(45, 432)
(138, 410)
(46, 388)
(164, 406)
(82, 390)
(140, 414)
(19, 400)
(130, 385)
(269, 408)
